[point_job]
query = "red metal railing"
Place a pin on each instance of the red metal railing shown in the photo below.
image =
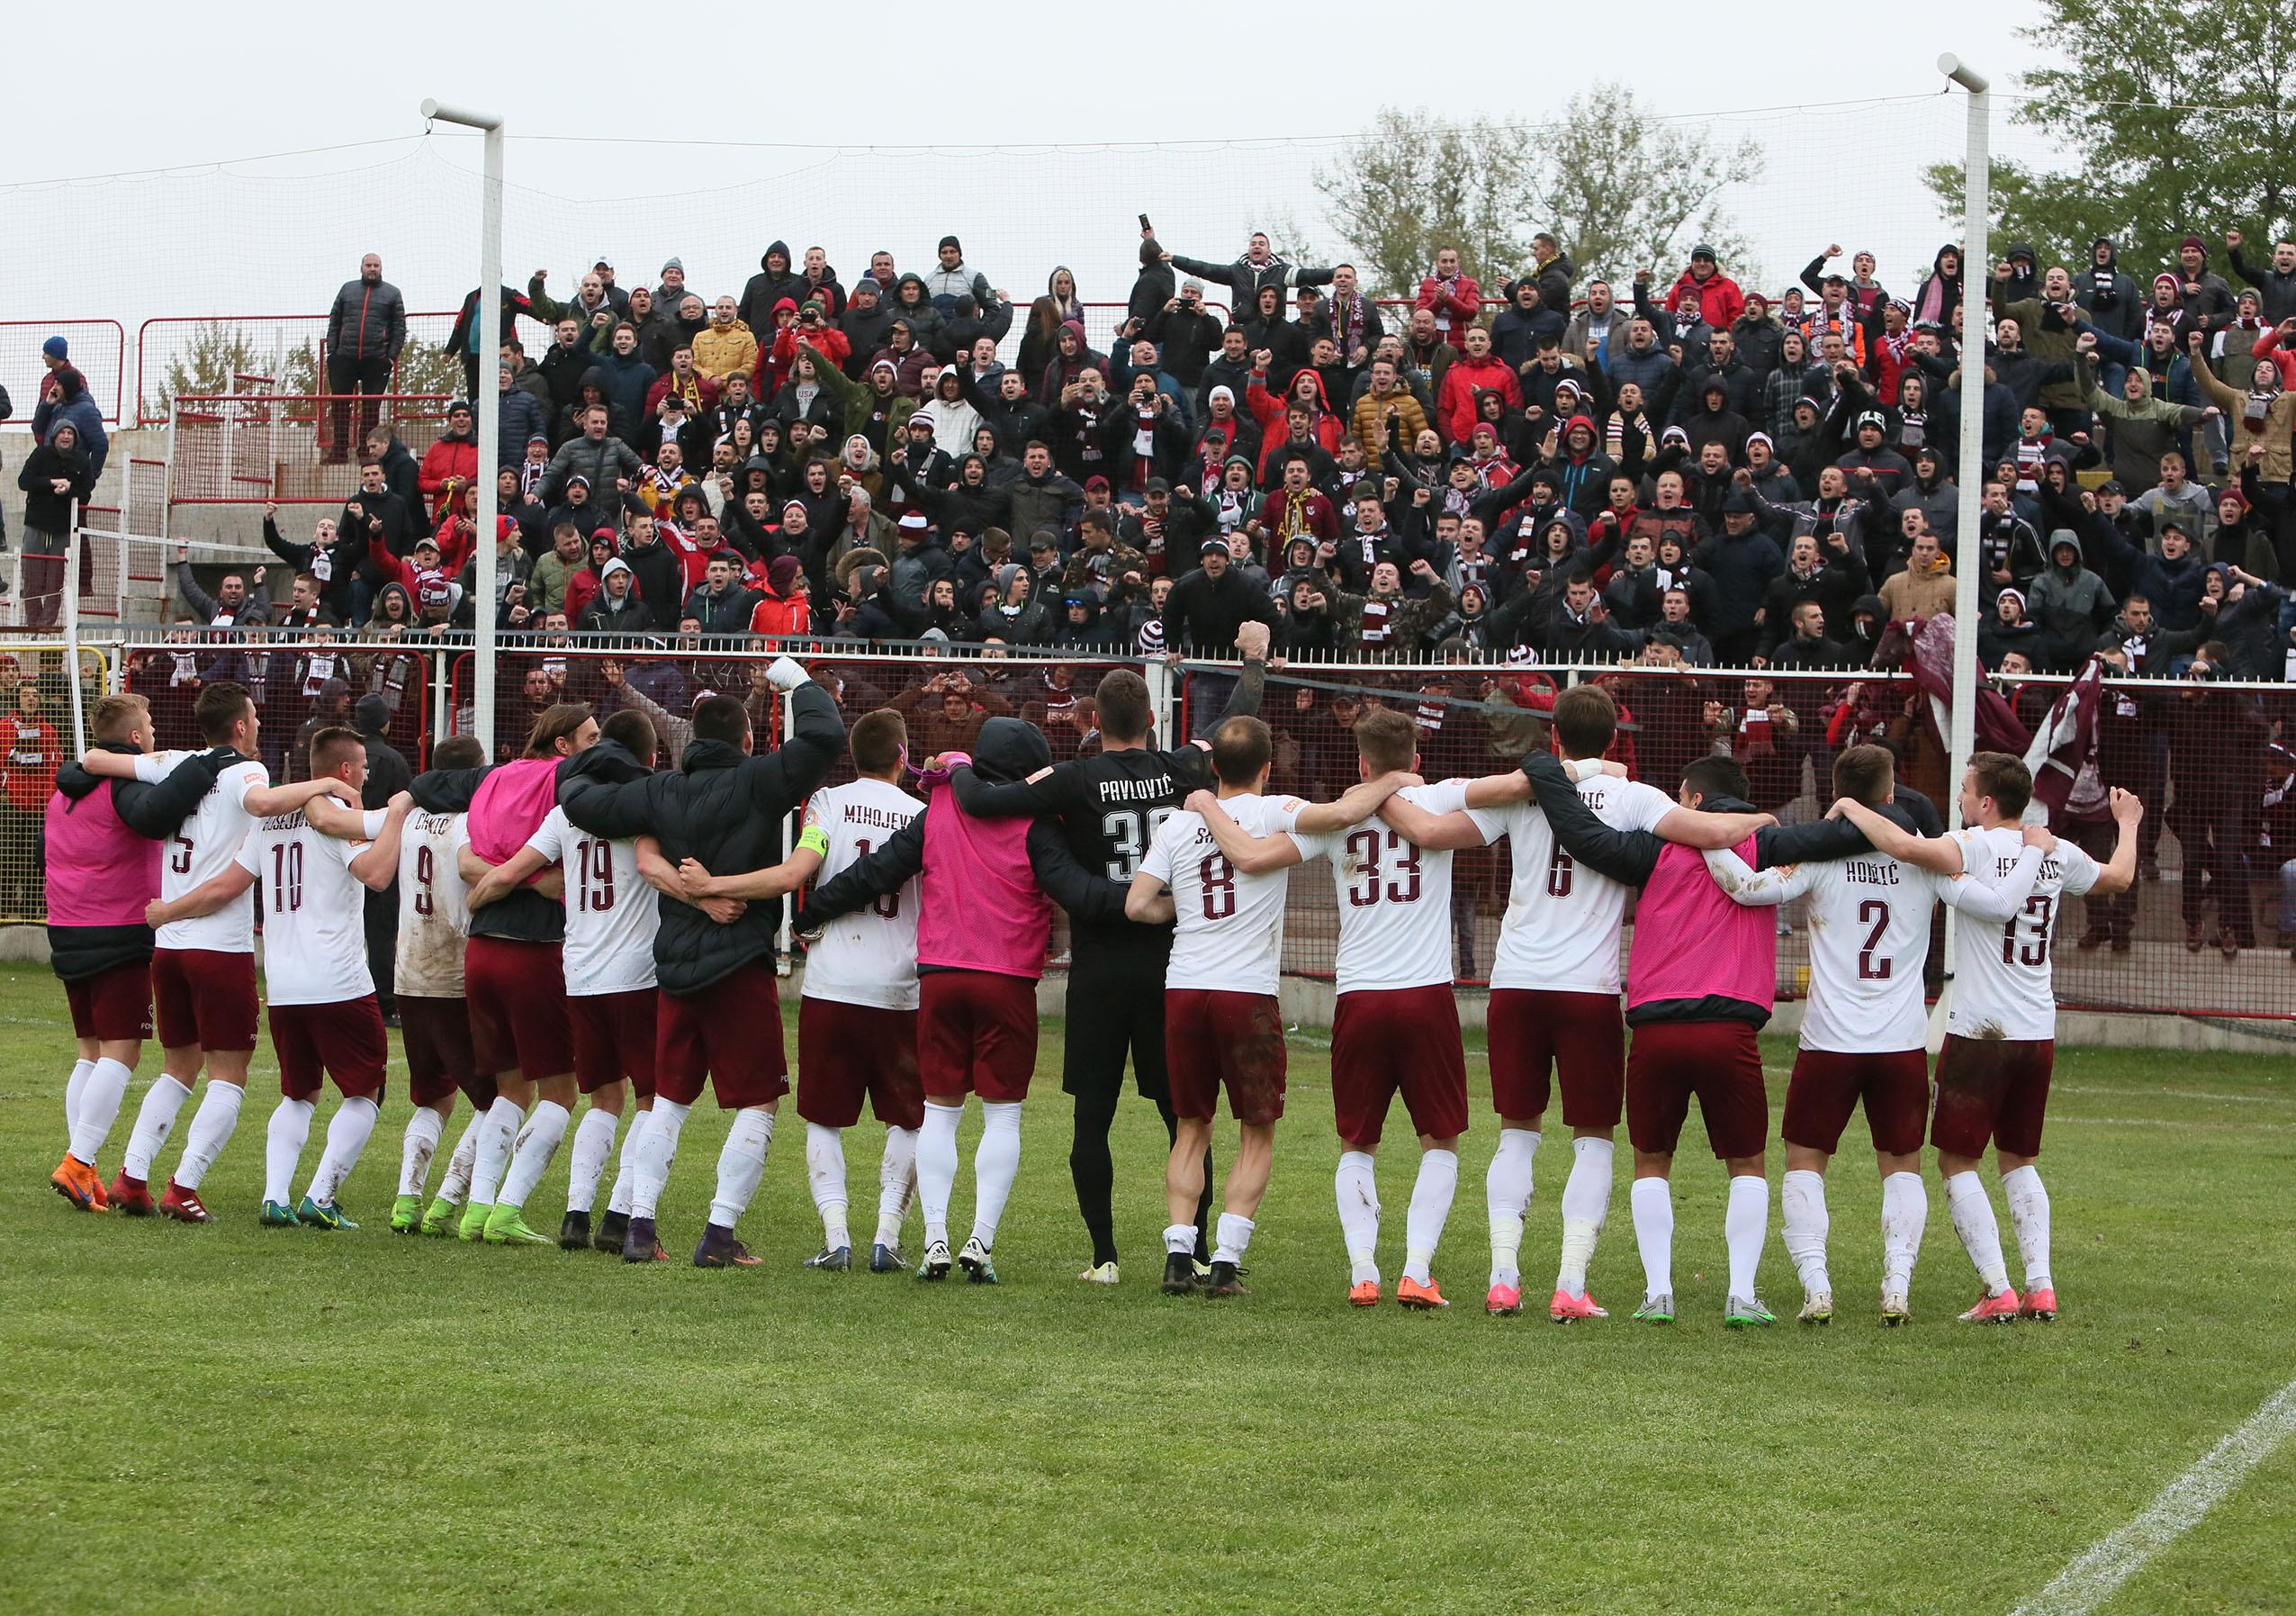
(201, 350)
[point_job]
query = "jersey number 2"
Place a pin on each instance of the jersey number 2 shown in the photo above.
(1873, 965)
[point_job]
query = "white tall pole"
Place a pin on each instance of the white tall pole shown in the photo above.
(73, 546)
(1976, 273)
(486, 507)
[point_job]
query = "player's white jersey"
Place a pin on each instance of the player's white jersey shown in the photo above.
(434, 906)
(314, 910)
(1394, 897)
(204, 847)
(611, 914)
(1561, 933)
(869, 957)
(2001, 987)
(1231, 936)
(1869, 921)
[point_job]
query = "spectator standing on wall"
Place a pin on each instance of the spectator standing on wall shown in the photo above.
(366, 330)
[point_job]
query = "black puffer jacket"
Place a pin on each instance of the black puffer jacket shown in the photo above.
(724, 808)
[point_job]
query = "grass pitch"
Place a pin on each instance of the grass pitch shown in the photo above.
(235, 1418)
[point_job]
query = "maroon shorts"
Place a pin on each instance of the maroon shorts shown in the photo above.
(729, 1032)
(976, 1035)
(614, 1038)
(1827, 1085)
(846, 1052)
(1580, 1034)
(1232, 1041)
(113, 1006)
(1721, 1062)
(1991, 1090)
(518, 999)
(436, 1036)
(204, 998)
(344, 1042)
(1396, 1039)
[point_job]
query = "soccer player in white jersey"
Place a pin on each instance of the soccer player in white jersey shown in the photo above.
(1553, 1010)
(611, 919)
(857, 1018)
(1863, 1026)
(426, 964)
(2001, 1032)
(316, 865)
(1396, 1029)
(1221, 1025)
(203, 968)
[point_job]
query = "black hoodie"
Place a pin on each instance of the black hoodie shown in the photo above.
(766, 288)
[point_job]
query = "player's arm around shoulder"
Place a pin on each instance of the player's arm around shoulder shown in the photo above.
(2002, 900)
(264, 800)
(1940, 855)
(1476, 820)
(1252, 855)
(1756, 888)
(376, 865)
(1356, 804)
(893, 863)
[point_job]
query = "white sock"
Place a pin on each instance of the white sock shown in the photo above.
(416, 1147)
(896, 1178)
(282, 1147)
(937, 1167)
(740, 1165)
(1651, 1201)
(538, 1147)
(1905, 1214)
(1802, 1201)
(74, 1087)
(1431, 1194)
(625, 1169)
(456, 1184)
(1235, 1235)
(1357, 1188)
(593, 1143)
(2027, 1201)
(996, 1163)
(650, 1170)
(825, 1176)
(153, 1122)
(1180, 1239)
(211, 1131)
(1507, 1188)
(1973, 1221)
(100, 1098)
(492, 1159)
(347, 1132)
(1745, 1227)
(1585, 1207)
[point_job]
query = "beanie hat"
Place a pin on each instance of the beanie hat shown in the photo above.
(2194, 242)
(781, 572)
(55, 347)
(952, 242)
(677, 264)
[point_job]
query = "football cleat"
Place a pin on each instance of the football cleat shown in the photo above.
(573, 1232)
(505, 1225)
(1817, 1307)
(937, 1261)
(1099, 1273)
(639, 1244)
(322, 1214)
(1747, 1313)
(1565, 1308)
(831, 1259)
(1504, 1301)
(406, 1214)
(2000, 1308)
(886, 1259)
(2039, 1305)
(1225, 1280)
(439, 1218)
(183, 1205)
(132, 1196)
(975, 1260)
(1656, 1309)
(719, 1250)
(1895, 1313)
(1363, 1292)
(473, 1224)
(613, 1229)
(1426, 1298)
(276, 1215)
(76, 1182)
(1179, 1274)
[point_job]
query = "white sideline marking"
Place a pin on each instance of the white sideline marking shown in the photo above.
(2175, 1094)
(2098, 1572)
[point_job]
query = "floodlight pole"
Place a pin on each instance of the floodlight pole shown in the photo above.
(1977, 272)
(486, 506)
